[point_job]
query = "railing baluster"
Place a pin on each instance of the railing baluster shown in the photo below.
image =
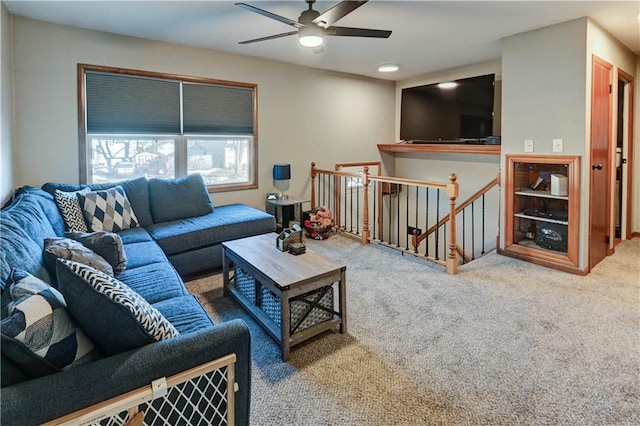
(390, 231)
(407, 220)
(437, 221)
(358, 209)
(375, 200)
(473, 232)
(398, 214)
(415, 248)
(483, 225)
(463, 235)
(426, 221)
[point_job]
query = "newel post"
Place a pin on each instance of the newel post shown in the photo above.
(313, 185)
(365, 210)
(452, 255)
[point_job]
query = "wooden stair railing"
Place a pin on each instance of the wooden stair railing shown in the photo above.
(450, 188)
(417, 239)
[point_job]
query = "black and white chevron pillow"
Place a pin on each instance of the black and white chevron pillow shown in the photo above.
(38, 321)
(150, 320)
(108, 210)
(70, 210)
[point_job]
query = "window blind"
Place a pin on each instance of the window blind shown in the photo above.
(125, 104)
(217, 109)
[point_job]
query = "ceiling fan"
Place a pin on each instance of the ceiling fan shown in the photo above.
(311, 26)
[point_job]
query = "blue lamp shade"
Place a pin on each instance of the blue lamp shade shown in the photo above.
(281, 171)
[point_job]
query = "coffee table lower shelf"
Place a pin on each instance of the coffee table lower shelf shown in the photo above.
(274, 330)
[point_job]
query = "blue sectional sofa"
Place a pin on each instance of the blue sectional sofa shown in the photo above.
(159, 253)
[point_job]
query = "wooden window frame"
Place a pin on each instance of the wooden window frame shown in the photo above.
(82, 127)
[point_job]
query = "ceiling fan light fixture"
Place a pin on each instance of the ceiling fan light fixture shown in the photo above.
(310, 36)
(388, 68)
(310, 40)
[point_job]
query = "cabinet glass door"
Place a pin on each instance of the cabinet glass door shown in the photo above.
(541, 212)
(542, 209)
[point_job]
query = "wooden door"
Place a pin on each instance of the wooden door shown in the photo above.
(599, 200)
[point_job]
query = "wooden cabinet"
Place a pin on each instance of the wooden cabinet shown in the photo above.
(542, 195)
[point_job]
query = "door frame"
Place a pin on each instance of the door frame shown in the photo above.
(609, 157)
(627, 150)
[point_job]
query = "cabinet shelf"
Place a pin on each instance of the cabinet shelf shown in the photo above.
(541, 219)
(541, 194)
(542, 239)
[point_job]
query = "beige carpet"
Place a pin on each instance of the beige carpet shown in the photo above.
(504, 342)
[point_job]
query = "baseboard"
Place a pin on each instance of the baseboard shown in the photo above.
(635, 234)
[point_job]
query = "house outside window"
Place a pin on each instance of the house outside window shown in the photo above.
(137, 123)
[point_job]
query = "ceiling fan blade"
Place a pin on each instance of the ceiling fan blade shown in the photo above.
(270, 15)
(255, 40)
(357, 32)
(337, 12)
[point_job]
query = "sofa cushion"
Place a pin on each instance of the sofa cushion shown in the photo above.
(47, 205)
(136, 189)
(11, 372)
(225, 223)
(112, 314)
(134, 235)
(106, 244)
(173, 199)
(108, 210)
(39, 335)
(154, 281)
(23, 228)
(70, 209)
(144, 253)
(66, 248)
(185, 313)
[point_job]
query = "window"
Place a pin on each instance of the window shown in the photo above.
(137, 123)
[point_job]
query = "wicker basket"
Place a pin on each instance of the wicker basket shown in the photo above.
(245, 284)
(298, 307)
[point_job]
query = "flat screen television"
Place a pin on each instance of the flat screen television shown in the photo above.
(461, 113)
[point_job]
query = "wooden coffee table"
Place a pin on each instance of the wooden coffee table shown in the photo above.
(292, 297)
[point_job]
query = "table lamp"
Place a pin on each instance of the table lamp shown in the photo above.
(281, 177)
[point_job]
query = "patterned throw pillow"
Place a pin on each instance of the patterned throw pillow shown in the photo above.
(112, 314)
(70, 209)
(107, 244)
(108, 210)
(38, 321)
(66, 248)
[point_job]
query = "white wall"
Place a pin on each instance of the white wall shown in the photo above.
(6, 153)
(304, 114)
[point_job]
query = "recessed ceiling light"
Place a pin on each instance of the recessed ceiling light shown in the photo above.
(447, 85)
(388, 68)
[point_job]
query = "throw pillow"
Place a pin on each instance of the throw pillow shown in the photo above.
(70, 209)
(108, 210)
(173, 199)
(39, 335)
(106, 244)
(112, 314)
(66, 248)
